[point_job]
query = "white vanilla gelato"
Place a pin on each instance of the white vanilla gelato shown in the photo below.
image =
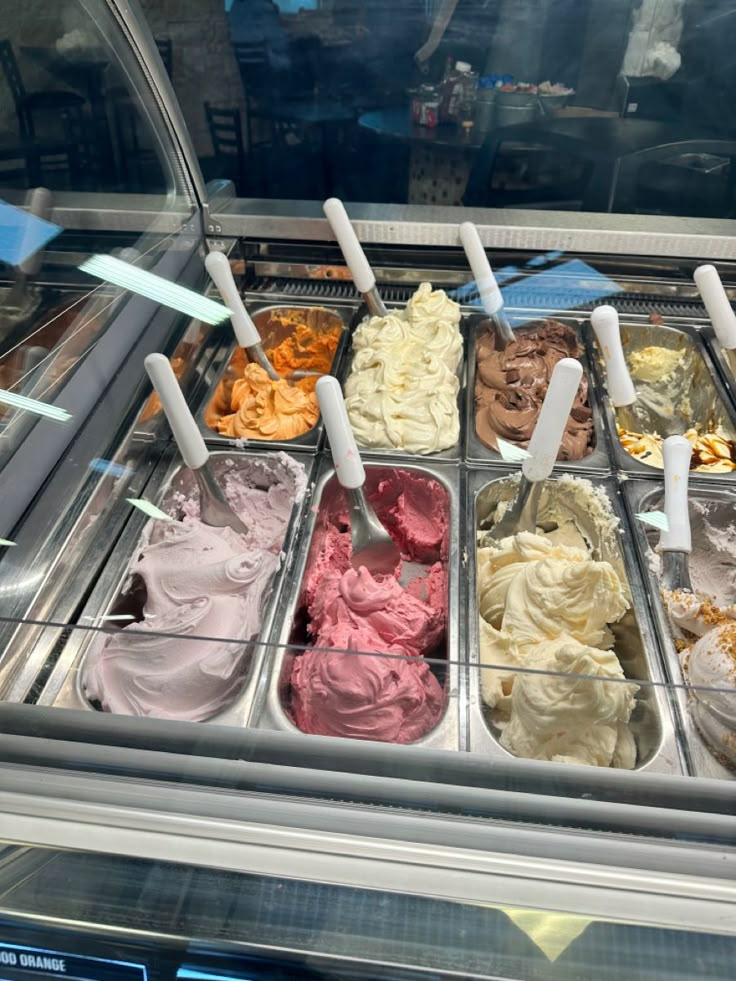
(403, 384)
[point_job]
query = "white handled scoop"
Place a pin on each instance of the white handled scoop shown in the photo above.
(371, 544)
(490, 295)
(621, 391)
(717, 304)
(39, 204)
(363, 276)
(246, 333)
(544, 446)
(676, 543)
(214, 509)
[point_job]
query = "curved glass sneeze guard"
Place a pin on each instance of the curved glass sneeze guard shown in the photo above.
(87, 168)
(572, 105)
(76, 113)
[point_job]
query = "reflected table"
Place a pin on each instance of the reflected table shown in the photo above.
(441, 157)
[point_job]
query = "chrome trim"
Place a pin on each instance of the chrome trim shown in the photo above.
(399, 224)
(679, 885)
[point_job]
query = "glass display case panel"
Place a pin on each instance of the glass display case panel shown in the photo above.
(78, 114)
(595, 107)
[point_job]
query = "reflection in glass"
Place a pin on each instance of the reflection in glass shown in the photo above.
(570, 106)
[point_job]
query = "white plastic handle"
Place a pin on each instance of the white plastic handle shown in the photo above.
(677, 452)
(547, 436)
(187, 435)
(490, 294)
(218, 266)
(352, 250)
(348, 465)
(39, 204)
(620, 386)
(717, 304)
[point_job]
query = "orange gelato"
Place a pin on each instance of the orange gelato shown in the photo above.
(248, 405)
(303, 350)
(265, 409)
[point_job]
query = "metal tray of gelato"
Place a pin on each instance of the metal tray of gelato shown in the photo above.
(678, 393)
(404, 379)
(568, 605)
(392, 694)
(244, 408)
(707, 716)
(512, 388)
(197, 602)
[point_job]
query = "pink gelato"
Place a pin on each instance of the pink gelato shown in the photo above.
(337, 692)
(197, 594)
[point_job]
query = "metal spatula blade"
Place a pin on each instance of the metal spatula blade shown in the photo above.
(214, 509)
(371, 545)
(676, 542)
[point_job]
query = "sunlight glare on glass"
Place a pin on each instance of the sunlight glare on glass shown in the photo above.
(25, 404)
(155, 288)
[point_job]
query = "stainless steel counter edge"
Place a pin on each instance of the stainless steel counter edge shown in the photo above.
(652, 235)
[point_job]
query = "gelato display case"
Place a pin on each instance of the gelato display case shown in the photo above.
(227, 749)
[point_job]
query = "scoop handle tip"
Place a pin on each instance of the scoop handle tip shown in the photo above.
(717, 304)
(218, 266)
(549, 430)
(490, 294)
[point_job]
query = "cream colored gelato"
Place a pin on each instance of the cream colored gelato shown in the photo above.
(403, 384)
(709, 665)
(545, 605)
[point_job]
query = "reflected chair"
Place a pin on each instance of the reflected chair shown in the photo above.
(28, 163)
(28, 104)
(255, 74)
(166, 49)
(226, 133)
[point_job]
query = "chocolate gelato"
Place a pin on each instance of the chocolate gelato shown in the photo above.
(510, 386)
